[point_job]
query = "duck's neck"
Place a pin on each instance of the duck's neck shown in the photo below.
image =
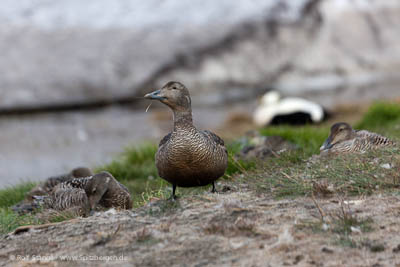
(352, 134)
(183, 119)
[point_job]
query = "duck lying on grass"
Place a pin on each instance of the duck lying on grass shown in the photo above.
(187, 157)
(82, 195)
(343, 138)
(44, 188)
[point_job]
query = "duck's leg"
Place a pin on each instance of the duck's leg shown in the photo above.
(173, 196)
(213, 190)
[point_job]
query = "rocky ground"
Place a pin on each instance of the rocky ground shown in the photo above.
(236, 227)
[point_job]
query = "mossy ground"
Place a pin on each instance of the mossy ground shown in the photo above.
(289, 175)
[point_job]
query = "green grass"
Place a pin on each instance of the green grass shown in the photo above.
(237, 165)
(134, 163)
(309, 138)
(292, 174)
(135, 168)
(352, 174)
(12, 195)
(10, 220)
(9, 197)
(380, 114)
(382, 117)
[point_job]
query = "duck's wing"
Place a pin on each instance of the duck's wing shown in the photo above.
(51, 182)
(77, 182)
(215, 138)
(358, 144)
(123, 187)
(374, 139)
(165, 139)
(68, 197)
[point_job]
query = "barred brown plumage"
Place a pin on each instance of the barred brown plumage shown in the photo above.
(44, 188)
(187, 157)
(51, 182)
(84, 194)
(344, 139)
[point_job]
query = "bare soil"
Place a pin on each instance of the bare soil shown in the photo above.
(233, 228)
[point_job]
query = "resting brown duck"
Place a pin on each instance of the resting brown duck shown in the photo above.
(84, 194)
(187, 157)
(78, 172)
(343, 139)
(44, 188)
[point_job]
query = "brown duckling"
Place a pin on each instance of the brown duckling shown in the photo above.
(187, 157)
(343, 138)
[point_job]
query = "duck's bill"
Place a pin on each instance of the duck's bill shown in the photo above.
(326, 145)
(155, 95)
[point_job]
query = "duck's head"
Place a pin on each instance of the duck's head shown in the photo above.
(97, 187)
(340, 132)
(270, 98)
(81, 172)
(173, 94)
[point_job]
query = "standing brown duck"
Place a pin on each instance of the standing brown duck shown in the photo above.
(187, 157)
(344, 139)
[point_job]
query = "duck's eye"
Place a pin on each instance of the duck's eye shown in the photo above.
(94, 190)
(341, 129)
(174, 88)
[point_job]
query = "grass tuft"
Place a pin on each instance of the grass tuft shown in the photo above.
(341, 224)
(12, 195)
(9, 220)
(134, 163)
(308, 138)
(379, 115)
(237, 165)
(382, 117)
(352, 174)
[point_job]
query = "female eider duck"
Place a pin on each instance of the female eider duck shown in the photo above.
(44, 188)
(187, 157)
(84, 194)
(78, 172)
(291, 110)
(343, 139)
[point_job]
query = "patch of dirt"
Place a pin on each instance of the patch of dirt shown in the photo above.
(235, 228)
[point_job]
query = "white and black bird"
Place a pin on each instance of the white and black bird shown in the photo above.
(291, 110)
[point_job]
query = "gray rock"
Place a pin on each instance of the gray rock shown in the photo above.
(74, 52)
